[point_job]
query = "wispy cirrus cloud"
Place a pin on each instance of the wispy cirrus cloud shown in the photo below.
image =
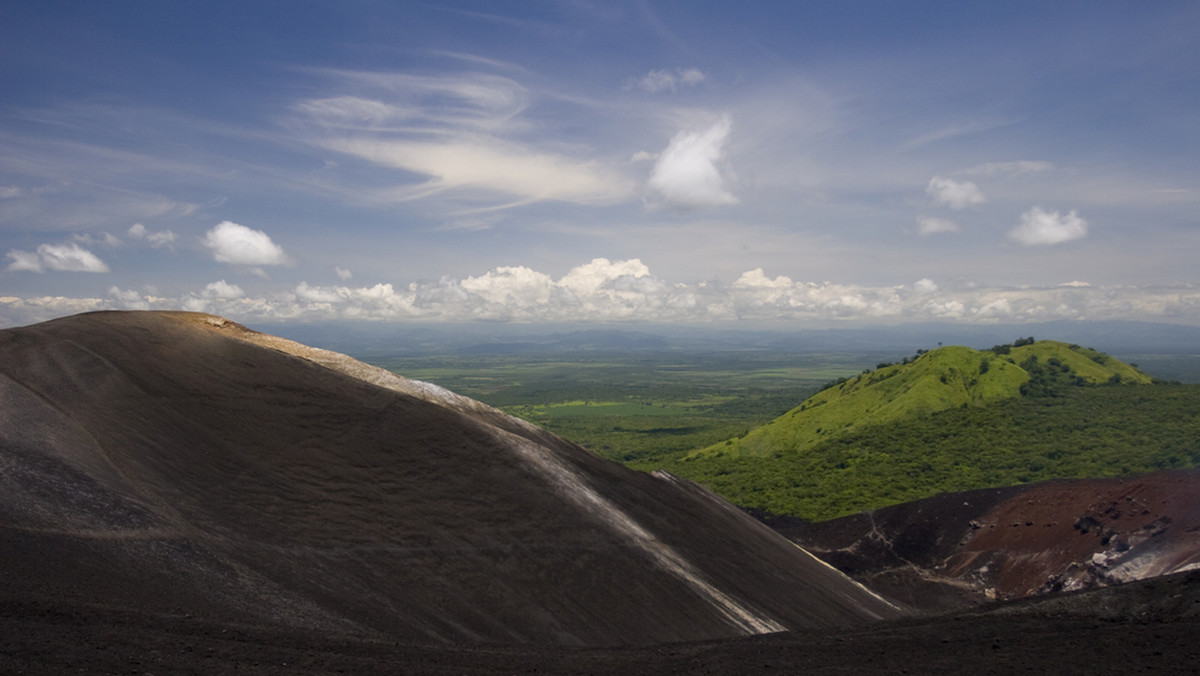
(665, 79)
(68, 257)
(929, 225)
(465, 134)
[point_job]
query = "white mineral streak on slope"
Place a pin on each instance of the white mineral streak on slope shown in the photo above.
(664, 475)
(573, 486)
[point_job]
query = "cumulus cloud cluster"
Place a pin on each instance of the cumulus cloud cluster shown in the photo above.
(626, 290)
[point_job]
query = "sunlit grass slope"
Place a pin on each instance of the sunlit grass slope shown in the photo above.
(953, 419)
(941, 379)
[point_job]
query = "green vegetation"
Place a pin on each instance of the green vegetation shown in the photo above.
(943, 420)
(1083, 432)
(945, 378)
(954, 419)
(639, 406)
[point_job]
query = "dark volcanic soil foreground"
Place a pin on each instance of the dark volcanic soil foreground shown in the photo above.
(174, 464)
(1143, 627)
(181, 495)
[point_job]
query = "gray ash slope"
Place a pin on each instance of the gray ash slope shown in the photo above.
(180, 465)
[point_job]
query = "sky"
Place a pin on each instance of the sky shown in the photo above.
(797, 163)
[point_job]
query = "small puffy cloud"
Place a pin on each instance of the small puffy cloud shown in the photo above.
(669, 80)
(925, 286)
(954, 194)
(928, 225)
(342, 273)
(69, 257)
(159, 239)
(238, 245)
(222, 289)
(687, 173)
(1039, 227)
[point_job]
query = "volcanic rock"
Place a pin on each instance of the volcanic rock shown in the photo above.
(182, 469)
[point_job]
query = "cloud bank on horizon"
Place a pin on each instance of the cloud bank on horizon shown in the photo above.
(621, 162)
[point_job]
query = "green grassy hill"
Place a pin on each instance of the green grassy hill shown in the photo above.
(953, 419)
(945, 378)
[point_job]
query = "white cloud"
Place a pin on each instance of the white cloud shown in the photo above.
(24, 261)
(687, 173)
(626, 290)
(10, 191)
(489, 165)
(1039, 227)
(516, 286)
(925, 286)
(238, 245)
(954, 194)
(342, 273)
(592, 277)
(222, 289)
(103, 239)
(466, 133)
(158, 239)
(69, 257)
(928, 225)
(669, 80)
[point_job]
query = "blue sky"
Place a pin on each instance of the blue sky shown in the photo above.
(808, 163)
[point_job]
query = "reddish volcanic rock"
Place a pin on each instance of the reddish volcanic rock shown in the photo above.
(1062, 535)
(1075, 534)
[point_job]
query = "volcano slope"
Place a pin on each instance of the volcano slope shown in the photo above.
(177, 465)
(1018, 541)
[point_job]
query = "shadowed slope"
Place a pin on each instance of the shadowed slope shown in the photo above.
(172, 463)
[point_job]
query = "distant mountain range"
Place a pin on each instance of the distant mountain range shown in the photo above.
(369, 339)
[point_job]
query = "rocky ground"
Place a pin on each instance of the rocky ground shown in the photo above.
(1143, 627)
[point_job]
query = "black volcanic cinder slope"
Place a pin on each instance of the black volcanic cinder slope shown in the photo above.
(166, 463)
